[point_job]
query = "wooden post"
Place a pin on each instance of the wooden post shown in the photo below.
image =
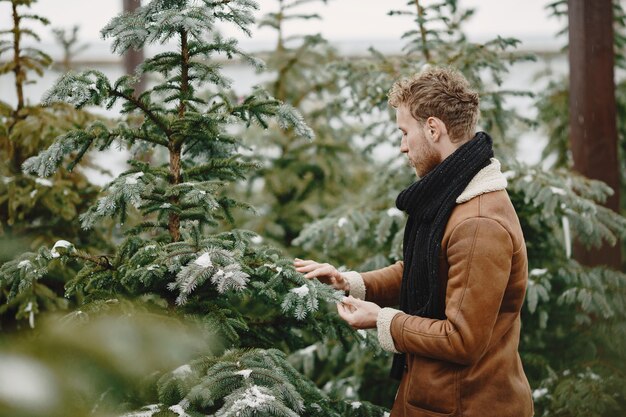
(134, 57)
(593, 125)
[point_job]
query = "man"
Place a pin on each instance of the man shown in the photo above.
(461, 285)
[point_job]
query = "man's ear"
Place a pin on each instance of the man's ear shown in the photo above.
(436, 128)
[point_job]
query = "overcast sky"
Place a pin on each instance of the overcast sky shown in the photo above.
(342, 19)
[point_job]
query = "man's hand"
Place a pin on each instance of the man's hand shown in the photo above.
(326, 273)
(358, 313)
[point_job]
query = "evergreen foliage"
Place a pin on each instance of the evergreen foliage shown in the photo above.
(553, 103)
(184, 253)
(69, 43)
(567, 304)
(34, 211)
(256, 337)
(91, 363)
(299, 180)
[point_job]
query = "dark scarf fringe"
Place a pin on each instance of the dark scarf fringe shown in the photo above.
(429, 203)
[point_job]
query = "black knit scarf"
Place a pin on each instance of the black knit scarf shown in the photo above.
(428, 203)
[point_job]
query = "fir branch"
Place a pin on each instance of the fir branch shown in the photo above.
(140, 105)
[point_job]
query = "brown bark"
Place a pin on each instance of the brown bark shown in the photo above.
(420, 15)
(134, 57)
(593, 125)
(174, 219)
(17, 69)
(175, 144)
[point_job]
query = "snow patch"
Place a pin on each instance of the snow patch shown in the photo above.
(539, 392)
(60, 244)
(44, 182)
(178, 409)
(342, 222)
(245, 373)
(165, 205)
(132, 179)
(394, 212)
(204, 260)
(302, 291)
(31, 314)
(182, 370)
(355, 404)
(257, 240)
(557, 190)
(146, 411)
(307, 351)
(567, 238)
(33, 193)
(253, 398)
(538, 272)
(24, 264)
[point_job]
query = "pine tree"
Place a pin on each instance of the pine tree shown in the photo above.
(69, 43)
(34, 211)
(567, 305)
(553, 103)
(185, 255)
(300, 180)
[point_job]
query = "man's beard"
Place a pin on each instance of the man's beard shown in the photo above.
(428, 160)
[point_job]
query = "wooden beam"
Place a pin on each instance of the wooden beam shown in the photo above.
(593, 124)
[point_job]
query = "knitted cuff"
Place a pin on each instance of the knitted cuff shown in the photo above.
(357, 286)
(383, 324)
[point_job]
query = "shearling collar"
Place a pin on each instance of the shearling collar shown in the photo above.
(487, 180)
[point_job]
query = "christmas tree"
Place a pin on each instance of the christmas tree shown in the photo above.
(35, 211)
(300, 180)
(185, 255)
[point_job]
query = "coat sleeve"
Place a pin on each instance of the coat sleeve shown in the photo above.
(479, 255)
(381, 286)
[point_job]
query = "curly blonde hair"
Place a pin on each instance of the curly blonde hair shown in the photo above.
(443, 93)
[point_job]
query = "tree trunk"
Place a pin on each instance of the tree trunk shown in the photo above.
(593, 123)
(134, 57)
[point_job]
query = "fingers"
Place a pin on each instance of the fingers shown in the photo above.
(343, 312)
(309, 267)
(301, 262)
(321, 271)
(351, 301)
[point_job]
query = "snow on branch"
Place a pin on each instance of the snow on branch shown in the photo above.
(79, 89)
(217, 265)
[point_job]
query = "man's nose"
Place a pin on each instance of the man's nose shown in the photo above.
(403, 146)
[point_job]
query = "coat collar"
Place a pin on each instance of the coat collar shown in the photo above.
(486, 180)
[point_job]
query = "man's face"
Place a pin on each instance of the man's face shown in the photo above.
(421, 153)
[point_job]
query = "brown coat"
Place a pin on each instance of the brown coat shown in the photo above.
(468, 364)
